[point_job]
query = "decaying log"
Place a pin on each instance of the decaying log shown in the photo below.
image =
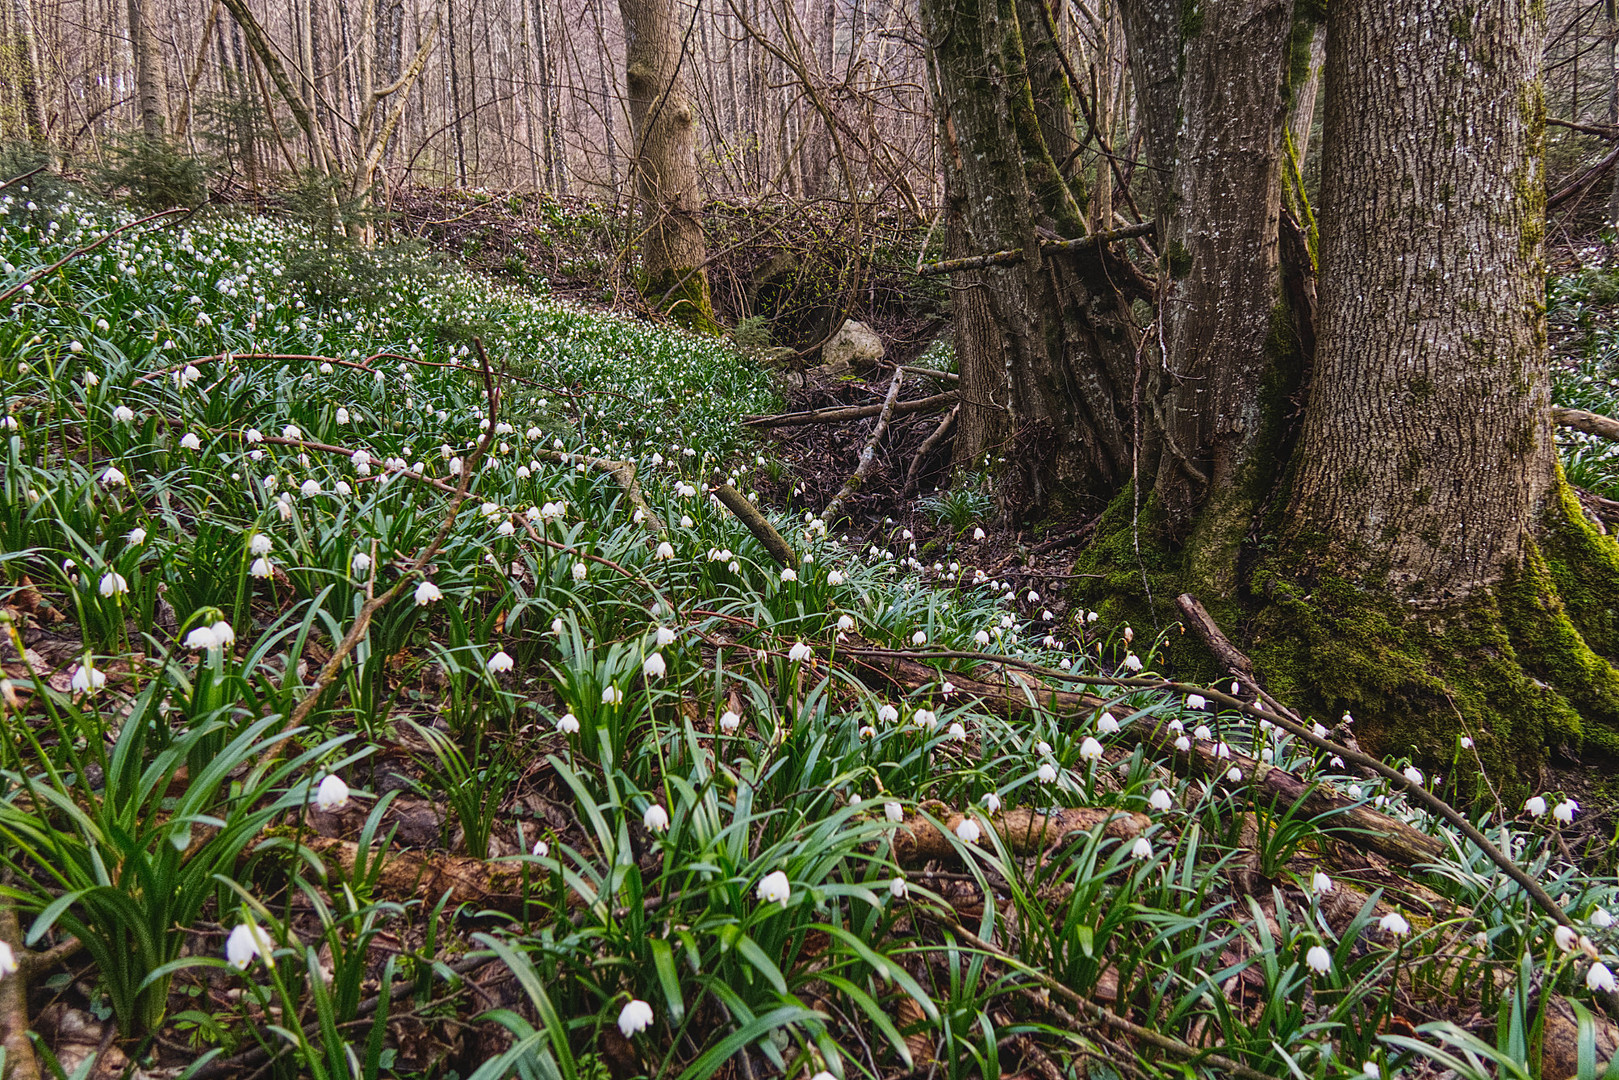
(843, 413)
(757, 524)
(411, 875)
(1589, 422)
(868, 453)
(1023, 831)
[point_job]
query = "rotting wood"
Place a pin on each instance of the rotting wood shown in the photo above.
(757, 524)
(842, 413)
(1015, 255)
(1024, 831)
(868, 453)
(1591, 423)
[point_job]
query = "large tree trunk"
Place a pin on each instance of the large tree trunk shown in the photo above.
(674, 252)
(1427, 449)
(148, 70)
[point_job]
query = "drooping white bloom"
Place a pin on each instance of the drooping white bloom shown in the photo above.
(333, 793)
(137, 536)
(656, 819)
(653, 666)
(580, 571)
(800, 652)
(958, 731)
(1565, 938)
(926, 718)
(1564, 811)
(568, 724)
(259, 544)
(246, 942)
(978, 533)
(1159, 799)
(665, 552)
(1318, 959)
(261, 568)
(123, 414)
(1132, 662)
(427, 593)
(665, 636)
(113, 584)
(310, 488)
(189, 441)
(789, 574)
(360, 563)
(992, 803)
(730, 721)
(1142, 849)
(835, 577)
(897, 888)
(8, 960)
(1182, 743)
(1321, 883)
(968, 831)
(112, 477)
(887, 714)
(500, 662)
(1467, 742)
(1601, 919)
(224, 633)
(1535, 806)
(919, 638)
(540, 850)
(1202, 733)
(253, 435)
(894, 812)
(1046, 773)
(1394, 923)
(774, 888)
(87, 678)
(1090, 749)
(202, 639)
(1107, 725)
(1370, 1070)
(1234, 775)
(1599, 980)
(1413, 774)
(612, 695)
(634, 1018)
(291, 432)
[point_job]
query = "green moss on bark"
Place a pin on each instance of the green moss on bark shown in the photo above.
(684, 298)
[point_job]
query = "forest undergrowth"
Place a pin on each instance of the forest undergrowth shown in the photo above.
(387, 694)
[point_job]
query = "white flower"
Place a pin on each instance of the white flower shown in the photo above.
(774, 887)
(540, 850)
(333, 793)
(1565, 810)
(789, 574)
(653, 666)
(580, 571)
(1413, 774)
(1601, 919)
(1202, 733)
(1467, 742)
(568, 724)
(259, 544)
(894, 812)
(224, 633)
(1370, 1070)
(968, 831)
(1182, 743)
(202, 639)
(1042, 747)
(1090, 749)
(1318, 959)
(656, 819)
(111, 477)
(800, 652)
(1394, 923)
(360, 563)
(500, 662)
(113, 584)
(291, 432)
(992, 803)
(1159, 799)
(8, 959)
(189, 441)
(887, 714)
(342, 416)
(919, 638)
(253, 435)
(1142, 849)
(1565, 937)
(136, 536)
(665, 551)
(427, 593)
(957, 731)
(1321, 883)
(87, 678)
(926, 718)
(310, 488)
(897, 888)
(1046, 773)
(1535, 806)
(612, 695)
(1132, 661)
(1598, 979)
(1107, 725)
(730, 721)
(261, 568)
(634, 1018)
(247, 941)
(978, 534)
(1234, 775)
(982, 637)
(123, 414)
(835, 578)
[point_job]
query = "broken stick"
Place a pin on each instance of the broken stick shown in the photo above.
(868, 455)
(841, 413)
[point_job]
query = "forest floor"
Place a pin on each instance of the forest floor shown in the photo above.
(377, 710)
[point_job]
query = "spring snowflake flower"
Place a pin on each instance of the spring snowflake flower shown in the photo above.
(957, 731)
(1535, 806)
(1142, 849)
(1601, 919)
(202, 639)
(835, 577)
(1318, 959)
(427, 593)
(500, 662)
(1370, 1070)
(612, 695)
(774, 887)
(1321, 883)
(1564, 811)
(1413, 774)
(789, 574)
(261, 568)
(1599, 980)
(1159, 799)
(113, 584)
(978, 533)
(189, 441)
(887, 714)
(800, 652)
(1467, 742)
(992, 803)
(919, 638)
(897, 888)
(310, 488)
(665, 552)
(1046, 773)
(1202, 733)
(1132, 662)
(253, 435)
(259, 544)
(540, 850)
(8, 960)
(1565, 937)
(654, 667)
(968, 831)
(87, 678)
(359, 564)
(1090, 749)
(111, 477)
(568, 724)
(634, 1018)
(580, 571)
(123, 414)
(292, 433)
(333, 793)
(894, 812)
(926, 718)
(1394, 923)
(342, 416)
(1107, 725)
(246, 942)
(137, 536)
(1182, 743)
(730, 721)
(665, 635)
(224, 633)
(656, 819)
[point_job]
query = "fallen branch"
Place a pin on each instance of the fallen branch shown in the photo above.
(1015, 255)
(46, 271)
(851, 412)
(1024, 831)
(20, 1061)
(1582, 183)
(1591, 423)
(757, 524)
(868, 453)
(931, 373)
(940, 434)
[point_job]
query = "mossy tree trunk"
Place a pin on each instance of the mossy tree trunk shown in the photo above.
(674, 253)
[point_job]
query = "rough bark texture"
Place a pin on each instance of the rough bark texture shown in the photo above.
(1221, 249)
(148, 70)
(662, 120)
(1427, 448)
(1152, 38)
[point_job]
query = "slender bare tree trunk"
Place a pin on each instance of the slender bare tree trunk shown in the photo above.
(662, 123)
(31, 101)
(148, 70)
